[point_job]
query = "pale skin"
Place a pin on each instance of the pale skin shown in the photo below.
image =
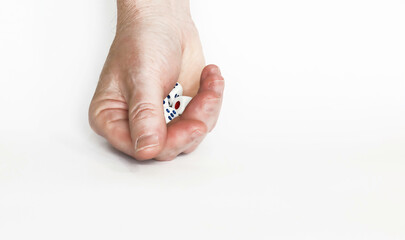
(156, 45)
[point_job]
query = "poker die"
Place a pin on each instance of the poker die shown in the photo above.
(170, 114)
(181, 103)
(175, 93)
(175, 104)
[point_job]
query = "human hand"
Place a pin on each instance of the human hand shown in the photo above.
(156, 45)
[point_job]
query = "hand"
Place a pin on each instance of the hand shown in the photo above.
(156, 45)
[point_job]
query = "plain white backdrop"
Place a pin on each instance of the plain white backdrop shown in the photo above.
(310, 143)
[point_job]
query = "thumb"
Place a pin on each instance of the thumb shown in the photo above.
(145, 116)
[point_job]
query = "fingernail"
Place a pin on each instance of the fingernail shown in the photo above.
(215, 70)
(146, 141)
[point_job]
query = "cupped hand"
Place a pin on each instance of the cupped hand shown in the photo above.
(150, 53)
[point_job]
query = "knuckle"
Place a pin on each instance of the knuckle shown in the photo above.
(217, 86)
(168, 157)
(92, 118)
(142, 111)
(190, 150)
(196, 135)
(211, 104)
(172, 155)
(95, 125)
(212, 96)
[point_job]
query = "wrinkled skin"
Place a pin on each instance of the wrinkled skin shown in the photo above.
(152, 51)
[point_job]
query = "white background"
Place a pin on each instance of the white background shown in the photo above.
(310, 143)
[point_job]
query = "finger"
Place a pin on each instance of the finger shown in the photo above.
(206, 105)
(181, 135)
(109, 118)
(146, 122)
(186, 132)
